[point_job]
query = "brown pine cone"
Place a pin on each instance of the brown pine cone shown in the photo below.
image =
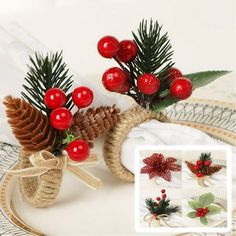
(31, 128)
(94, 122)
(206, 171)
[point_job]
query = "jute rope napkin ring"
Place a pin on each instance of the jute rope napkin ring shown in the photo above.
(115, 138)
(40, 175)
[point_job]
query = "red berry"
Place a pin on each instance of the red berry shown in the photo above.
(78, 150)
(158, 198)
(163, 191)
(181, 88)
(54, 98)
(197, 167)
(128, 51)
(200, 209)
(61, 118)
(114, 79)
(82, 96)
(207, 163)
(164, 196)
(148, 84)
(108, 46)
(197, 214)
(199, 162)
(202, 214)
(199, 174)
(174, 73)
(206, 210)
(125, 88)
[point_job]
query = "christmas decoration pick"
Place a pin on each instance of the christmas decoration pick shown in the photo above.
(203, 169)
(203, 207)
(52, 139)
(146, 73)
(160, 210)
(159, 166)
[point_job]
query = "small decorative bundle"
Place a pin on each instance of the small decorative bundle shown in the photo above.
(160, 167)
(146, 74)
(51, 138)
(160, 210)
(203, 168)
(203, 207)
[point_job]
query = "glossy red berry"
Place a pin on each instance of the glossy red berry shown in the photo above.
(54, 98)
(206, 210)
(148, 84)
(199, 162)
(200, 209)
(207, 163)
(199, 174)
(174, 73)
(125, 88)
(82, 96)
(114, 79)
(158, 198)
(202, 214)
(164, 196)
(108, 46)
(128, 51)
(163, 191)
(197, 167)
(78, 150)
(198, 214)
(61, 118)
(181, 88)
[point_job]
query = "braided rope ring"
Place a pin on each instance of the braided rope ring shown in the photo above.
(115, 138)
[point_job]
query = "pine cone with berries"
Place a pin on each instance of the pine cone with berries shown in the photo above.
(208, 170)
(30, 126)
(94, 122)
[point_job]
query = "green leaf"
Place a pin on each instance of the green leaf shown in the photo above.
(191, 214)
(213, 209)
(160, 105)
(203, 78)
(195, 205)
(203, 220)
(206, 199)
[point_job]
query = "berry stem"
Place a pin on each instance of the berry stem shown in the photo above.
(120, 64)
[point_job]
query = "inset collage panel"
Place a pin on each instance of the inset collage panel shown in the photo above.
(183, 189)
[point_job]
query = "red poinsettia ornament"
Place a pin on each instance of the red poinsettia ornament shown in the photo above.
(159, 166)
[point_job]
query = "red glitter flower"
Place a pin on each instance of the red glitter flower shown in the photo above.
(159, 166)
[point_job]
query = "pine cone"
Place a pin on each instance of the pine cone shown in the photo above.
(31, 128)
(212, 170)
(94, 122)
(206, 171)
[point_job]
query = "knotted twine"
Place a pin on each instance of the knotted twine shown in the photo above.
(160, 219)
(40, 180)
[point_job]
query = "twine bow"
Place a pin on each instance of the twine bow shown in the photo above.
(44, 161)
(203, 181)
(162, 218)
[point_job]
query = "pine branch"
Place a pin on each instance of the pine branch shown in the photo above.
(205, 156)
(155, 51)
(46, 72)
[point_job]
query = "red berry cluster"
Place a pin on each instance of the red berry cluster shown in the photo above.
(164, 196)
(61, 118)
(200, 165)
(201, 212)
(119, 80)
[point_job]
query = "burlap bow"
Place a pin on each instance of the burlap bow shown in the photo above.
(160, 219)
(44, 161)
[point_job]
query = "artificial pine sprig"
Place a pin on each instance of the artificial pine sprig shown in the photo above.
(155, 51)
(161, 205)
(46, 72)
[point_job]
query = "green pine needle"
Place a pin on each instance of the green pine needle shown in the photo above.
(205, 156)
(155, 51)
(46, 72)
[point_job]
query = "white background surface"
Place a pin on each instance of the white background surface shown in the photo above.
(202, 34)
